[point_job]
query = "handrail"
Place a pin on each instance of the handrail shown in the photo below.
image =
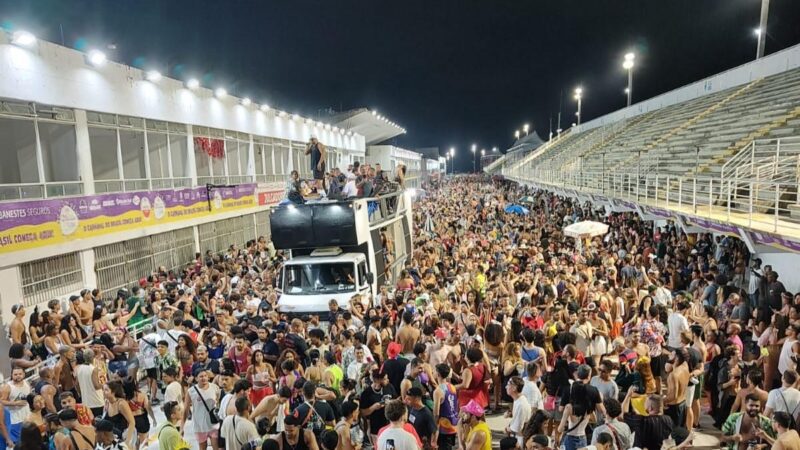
(769, 206)
(32, 373)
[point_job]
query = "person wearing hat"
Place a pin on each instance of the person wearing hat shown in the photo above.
(317, 152)
(476, 433)
(395, 365)
(80, 437)
(106, 439)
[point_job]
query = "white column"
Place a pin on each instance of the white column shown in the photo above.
(83, 151)
(191, 165)
(11, 281)
(196, 233)
(87, 267)
(251, 158)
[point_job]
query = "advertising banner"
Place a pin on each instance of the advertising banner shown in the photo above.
(774, 241)
(270, 194)
(716, 227)
(37, 223)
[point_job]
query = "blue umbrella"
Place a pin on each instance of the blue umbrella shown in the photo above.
(517, 209)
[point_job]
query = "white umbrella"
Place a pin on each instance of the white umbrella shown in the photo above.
(585, 229)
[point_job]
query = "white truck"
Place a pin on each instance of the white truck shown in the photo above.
(339, 249)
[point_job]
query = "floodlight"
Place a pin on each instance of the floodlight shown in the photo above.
(23, 38)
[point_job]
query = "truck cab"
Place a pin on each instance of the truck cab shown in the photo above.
(339, 249)
(306, 281)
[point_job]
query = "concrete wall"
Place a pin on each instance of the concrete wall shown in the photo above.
(785, 264)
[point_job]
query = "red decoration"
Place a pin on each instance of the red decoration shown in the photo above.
(214, 148)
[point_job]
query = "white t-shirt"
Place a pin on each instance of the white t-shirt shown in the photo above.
(533, 394)
(90, 397)
(172, 339)
(238, 431)
(785, 358)
(677, 324)
(791, 397)
(396, 439)
(520, 414)
(350, 189)
(202, 421)
(173, 393)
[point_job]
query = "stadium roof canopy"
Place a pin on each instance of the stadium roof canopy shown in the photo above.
(526, 143)
(373, 126)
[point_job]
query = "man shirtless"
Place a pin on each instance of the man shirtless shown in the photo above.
(408, 335)
(639, 347)
(677, 383)
(80, 437)
(271, 407)
(17, 329)
(86, 310)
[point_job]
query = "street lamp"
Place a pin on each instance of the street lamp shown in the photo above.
(627, 64)
(525, 128)
(516, 134)
(579, 97)
(453, 160)
(474, 148)
(494, 149)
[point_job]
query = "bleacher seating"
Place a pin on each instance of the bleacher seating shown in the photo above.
(668, 141)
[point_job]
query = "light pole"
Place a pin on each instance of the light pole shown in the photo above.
(525, 128)
(516, 134)
(494, 149)
(483, 153)
(453, 160)
(761, 31)
(474, 148)
(579, 97)
(628, 65)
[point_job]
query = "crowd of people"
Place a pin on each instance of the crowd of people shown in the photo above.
(619, 341)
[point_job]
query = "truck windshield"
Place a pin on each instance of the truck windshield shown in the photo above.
(319, 277)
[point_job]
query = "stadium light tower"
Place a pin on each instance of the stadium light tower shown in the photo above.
(628, 65)
(474, 148)
(516, 134)
(525, 128)
(579, 97)
(761, 31)
(453, 160)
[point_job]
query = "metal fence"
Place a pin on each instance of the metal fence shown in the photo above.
(50, 277)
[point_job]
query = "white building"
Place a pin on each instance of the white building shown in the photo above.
(104, 172)
(389, 157)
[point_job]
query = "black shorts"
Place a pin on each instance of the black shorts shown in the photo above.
(657, 365)
(142, 423)
(152, 373)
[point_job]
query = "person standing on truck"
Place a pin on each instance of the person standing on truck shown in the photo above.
(318, 151)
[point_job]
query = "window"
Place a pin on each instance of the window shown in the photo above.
(202, 162)
(18, 152)
(51, 277)
(232, 155)
(177, 151)
(103, 145)
(59, 152)
(158, 155)
(132, 151)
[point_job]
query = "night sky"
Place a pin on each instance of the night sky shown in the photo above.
(452, 72)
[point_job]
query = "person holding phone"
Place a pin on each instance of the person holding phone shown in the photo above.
(373, 402)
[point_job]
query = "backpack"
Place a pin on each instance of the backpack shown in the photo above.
(793, 422)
